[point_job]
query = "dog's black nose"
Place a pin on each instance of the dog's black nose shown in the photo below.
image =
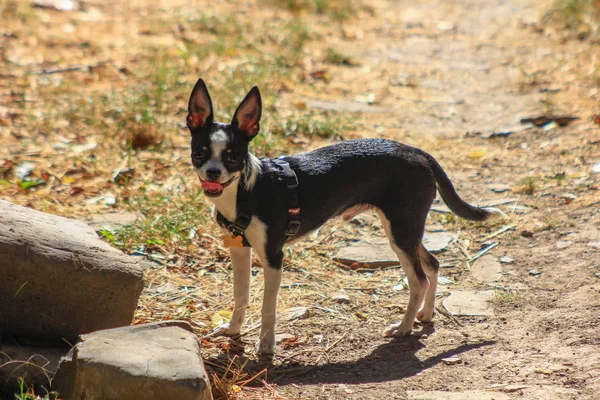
(213, 173)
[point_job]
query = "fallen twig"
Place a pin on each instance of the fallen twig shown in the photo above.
(499, 232)
(482, 252)
(71, 68)
(442, 310)
(331, 346)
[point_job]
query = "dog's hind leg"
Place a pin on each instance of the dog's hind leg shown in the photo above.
(431, 267)
(241, 262)
(406, 241)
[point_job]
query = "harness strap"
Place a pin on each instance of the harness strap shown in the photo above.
(239, 226)
(291, 182)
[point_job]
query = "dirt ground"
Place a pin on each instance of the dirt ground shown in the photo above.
(441, 75)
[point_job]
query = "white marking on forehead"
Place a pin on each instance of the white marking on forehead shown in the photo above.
(218, 143)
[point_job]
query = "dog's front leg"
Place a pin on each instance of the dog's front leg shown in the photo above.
(272, 272)
(241, 261)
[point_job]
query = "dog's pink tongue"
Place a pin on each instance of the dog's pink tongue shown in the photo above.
(212, 186)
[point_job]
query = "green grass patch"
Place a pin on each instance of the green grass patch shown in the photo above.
(312, 125)
(26, 393)
(335, 9)
(172, 219)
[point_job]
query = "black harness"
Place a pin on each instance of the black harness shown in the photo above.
(244, 216)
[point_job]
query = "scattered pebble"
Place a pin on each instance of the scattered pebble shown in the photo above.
(595, 245)
(526, 233)
(445, 26)
(398, 287)
(341, 298)
(563, 244)
(452, 360)
(442, 280)
(568, 197)
(295, 313)
(534, 272)
(507, 260)
(500, 188)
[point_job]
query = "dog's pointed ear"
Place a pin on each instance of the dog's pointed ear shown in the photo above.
(200, 109)
(247, 115)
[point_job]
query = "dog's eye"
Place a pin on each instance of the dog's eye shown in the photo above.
(198, 156)
(232, 158)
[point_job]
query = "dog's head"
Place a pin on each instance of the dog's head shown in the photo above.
(220, 151)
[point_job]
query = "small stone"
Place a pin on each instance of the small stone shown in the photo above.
(372, 251)
(563, 244)
(469, 303)
(597, 274)
(513, 388)
(595, 245)
(499, 188)
(507, 260)
(534, 272)
(295, 313)
(442, 280)
(452, 360)
(596, 168)
(486, 269)
(526, 233)
(568, 197)
(341, 298)
(445, 25)
(436, 242)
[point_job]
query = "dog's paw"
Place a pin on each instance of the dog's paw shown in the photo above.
(397, 330)
(425, 315)
(226, 330)
(266, 347)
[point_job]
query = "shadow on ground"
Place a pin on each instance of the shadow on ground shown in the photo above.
(394, 360)
(391, 361)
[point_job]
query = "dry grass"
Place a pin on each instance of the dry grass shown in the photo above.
(95, 101)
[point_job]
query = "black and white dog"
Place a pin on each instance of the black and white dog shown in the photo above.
(258, 201)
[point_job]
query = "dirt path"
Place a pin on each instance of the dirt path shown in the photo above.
(447, 67)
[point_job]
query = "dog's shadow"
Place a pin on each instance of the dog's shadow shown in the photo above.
(393, 360)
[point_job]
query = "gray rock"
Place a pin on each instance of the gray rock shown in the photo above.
(36, 365)
(437, 242)
(469, 303)
(373, 251)
(341, 298)
(376, 252)
(59, 279)
(292, 313)
(486, 269)
(507, 260)
(152, 361)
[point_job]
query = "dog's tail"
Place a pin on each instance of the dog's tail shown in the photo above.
(458, 205)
